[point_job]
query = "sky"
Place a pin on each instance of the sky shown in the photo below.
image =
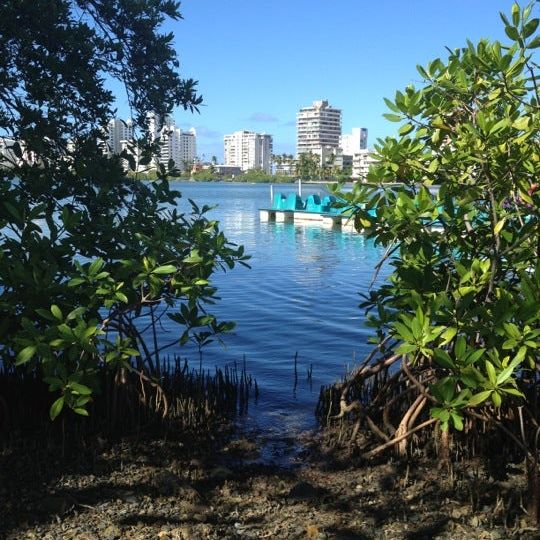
(259, 61)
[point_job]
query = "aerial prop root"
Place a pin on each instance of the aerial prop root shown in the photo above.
(161, 399)
(359, 377)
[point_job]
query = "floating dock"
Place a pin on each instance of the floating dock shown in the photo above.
(311, 211)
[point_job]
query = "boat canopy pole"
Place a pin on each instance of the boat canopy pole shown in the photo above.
(271, 193)
(300, 187)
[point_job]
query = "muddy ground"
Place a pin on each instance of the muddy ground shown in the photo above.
(200, 489)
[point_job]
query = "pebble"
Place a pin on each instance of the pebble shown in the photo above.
(111, 532)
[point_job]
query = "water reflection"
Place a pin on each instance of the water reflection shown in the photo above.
(301, 295)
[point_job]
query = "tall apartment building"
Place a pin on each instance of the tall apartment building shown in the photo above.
(361, 163)
(118, 130)
(249, 150)
(175, 144)
(318, 126)
(354, 142)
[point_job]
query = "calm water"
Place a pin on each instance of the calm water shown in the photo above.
(300, 295)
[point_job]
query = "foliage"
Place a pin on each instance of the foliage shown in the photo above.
(462, 304)
(90, 260)
(255, 175)
(205, 175)
(307, 166)
(281, 179)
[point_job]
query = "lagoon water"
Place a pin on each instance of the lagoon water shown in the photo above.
(301, 295)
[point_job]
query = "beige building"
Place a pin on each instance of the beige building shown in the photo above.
(360, 164)
(176, 144)
(317, 127)
(248, 150)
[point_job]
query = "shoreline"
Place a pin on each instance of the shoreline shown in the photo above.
(215, 488)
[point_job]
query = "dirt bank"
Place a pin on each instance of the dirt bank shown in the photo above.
(179, 490)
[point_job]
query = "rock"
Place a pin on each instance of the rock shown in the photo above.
(190, 494)
(111, 532)
(182, 533)
(167, 483)
(303, 491)
(220, 473)
(459, 512)
(126, 495)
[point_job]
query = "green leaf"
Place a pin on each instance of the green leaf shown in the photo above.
(515, 13)
(513, 391)
(498, 126)
(25, 355)
(474, 356)
(460, 347)
(193, 257)
(448, 335)
(512, 32)
(77, 312)
(457, 420)
(504, 375)
(403, 331)
(443, 359)
(81, 411)
(405, 129)
(56, 408)
(122, 297)
(184, 338)
(57, 313)
(165, 269)
(521, 123)
(479, 398)
(433, 166)
(442, 414)
(535, 43)
(499, 225)
(46, 314)
(530, 28)
(95, 267)
(393, 117)
(80, 388)
(492, 376)
(406, 348)
(391, 105)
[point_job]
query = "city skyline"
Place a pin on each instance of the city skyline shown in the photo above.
(257, 67)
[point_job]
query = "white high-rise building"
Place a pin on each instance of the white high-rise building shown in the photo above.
(361, 163)
(318, 126)
(352, 143)
(249, 150)
(179, 146)
(118, 130)
(175, 144)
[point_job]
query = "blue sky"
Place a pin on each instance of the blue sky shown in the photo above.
(259, 61)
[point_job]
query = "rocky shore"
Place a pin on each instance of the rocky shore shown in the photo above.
(190, 490)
